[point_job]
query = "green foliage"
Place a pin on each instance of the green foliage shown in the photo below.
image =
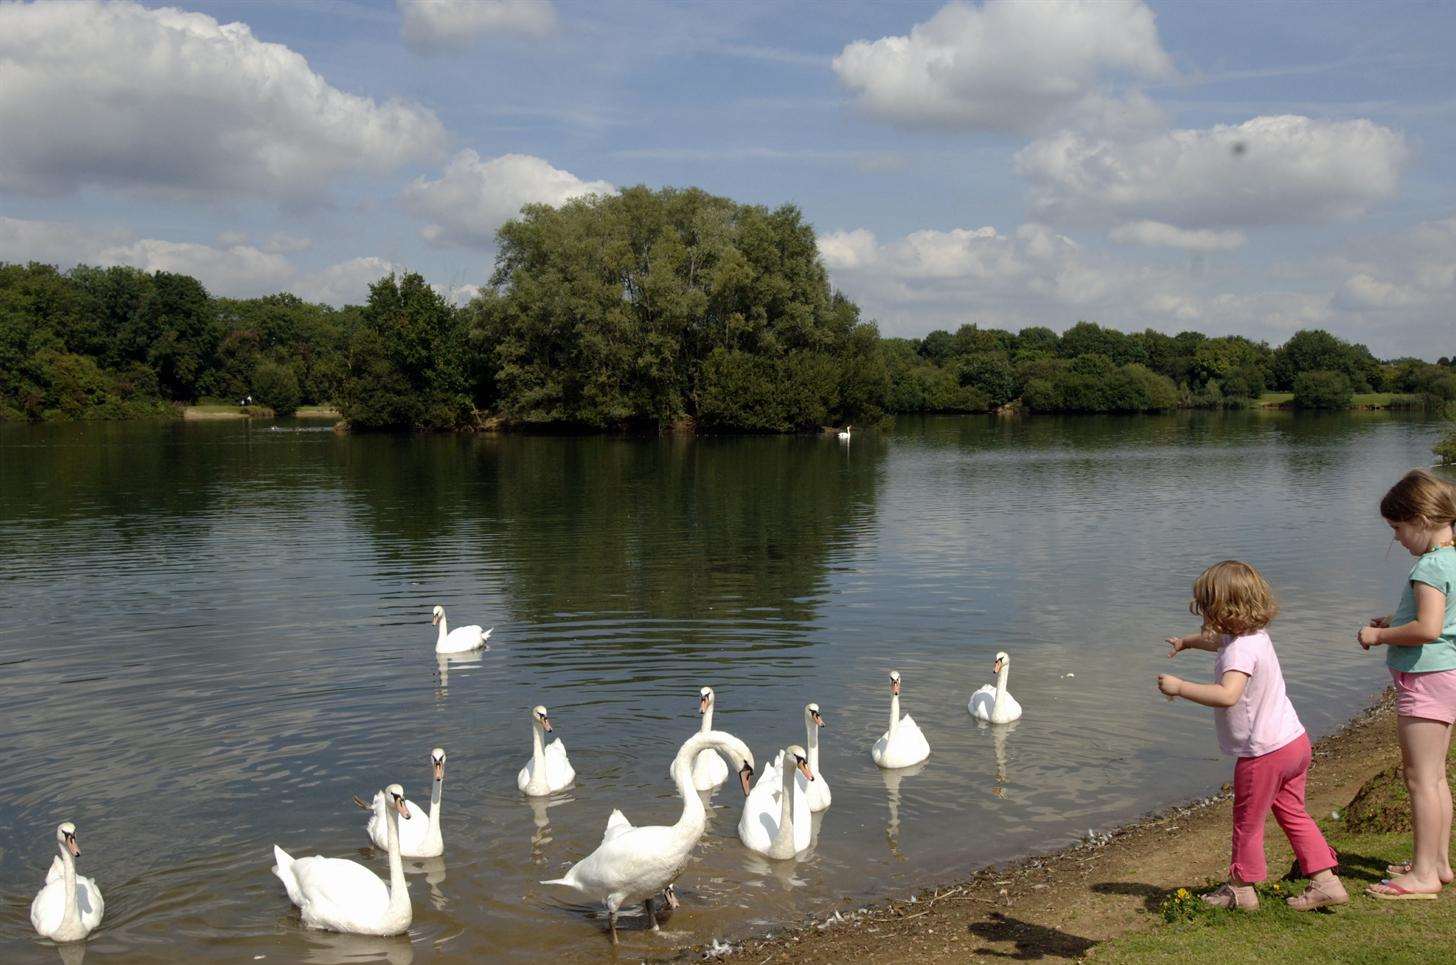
(1322, 390)
(1446, 449)
(276, 387)
(407, 365)
(1315, 350)
(992, 374)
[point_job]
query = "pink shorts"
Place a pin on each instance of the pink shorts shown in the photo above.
(1431, 696)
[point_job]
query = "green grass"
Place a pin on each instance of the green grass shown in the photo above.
(317, 412)
(1363, 400)
(1364, 931)
(1275, 398)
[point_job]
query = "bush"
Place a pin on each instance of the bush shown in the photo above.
(992, 375)
(1446, 449)
(276, 386)
(1322, 390)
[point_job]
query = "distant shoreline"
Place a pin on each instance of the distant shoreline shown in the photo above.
(220, 413)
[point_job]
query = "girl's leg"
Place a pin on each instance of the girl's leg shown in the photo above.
(1314, 853)
(1423, 747)
(1256, 780)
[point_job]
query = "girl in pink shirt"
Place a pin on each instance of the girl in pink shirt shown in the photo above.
(1257, 724)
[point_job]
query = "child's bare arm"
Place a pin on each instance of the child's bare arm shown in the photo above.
(1427, 626)
(1202, 640)
(1225, 693)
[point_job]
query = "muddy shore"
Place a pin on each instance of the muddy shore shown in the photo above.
(1062, 905)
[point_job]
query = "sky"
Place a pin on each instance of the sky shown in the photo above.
(1228, 167)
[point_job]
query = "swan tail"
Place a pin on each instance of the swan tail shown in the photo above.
(284, 870)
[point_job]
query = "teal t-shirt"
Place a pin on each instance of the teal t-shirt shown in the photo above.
(1436, 568)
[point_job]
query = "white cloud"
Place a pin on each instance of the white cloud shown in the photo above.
(1268, 170)
(345, 283)
(175, 103)
(1005, 65)
(847, 249)
(1155, 234)
(437, 26)
(474, 197)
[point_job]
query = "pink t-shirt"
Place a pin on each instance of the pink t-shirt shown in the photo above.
(1263, 720)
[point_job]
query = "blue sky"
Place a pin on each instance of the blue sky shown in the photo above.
(1229, 167)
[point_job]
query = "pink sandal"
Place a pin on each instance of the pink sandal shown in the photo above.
(1395, 892)
(1241, 898)
(1320, 895)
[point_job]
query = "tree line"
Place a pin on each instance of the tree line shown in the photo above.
(648, 309)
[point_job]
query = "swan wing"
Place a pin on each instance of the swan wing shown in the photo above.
(89, 902)
(982, 701)
(819, 796)
(335, 889)
(414, 834)
(616, 824)
(709, 770)
(47, 907)
(524, 777)
(463, 640)
(803, 823)
(1010, 710)
(630, 866)
(377, 829)
(283, 868)
(559, 772)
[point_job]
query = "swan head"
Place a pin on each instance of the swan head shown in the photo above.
(811, 711)
(437, 760)
(1003, 659)
(895, 682)
(395, 794)
(437, 615)
(705, 699)
(540, 718)
(66, 838)
(800, 758)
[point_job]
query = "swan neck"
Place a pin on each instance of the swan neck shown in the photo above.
(693, 819)
(70, 914)
(1001, 685)
(707, 720)
(435, 793)
(784, 839)
(538, 749)
(398, 890)
(812, 734)
(894, 714)
(444, 629)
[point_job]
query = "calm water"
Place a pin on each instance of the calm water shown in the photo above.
(211, 635)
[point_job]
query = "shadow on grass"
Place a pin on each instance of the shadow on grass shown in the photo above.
(1031, 941)
(1152, 896)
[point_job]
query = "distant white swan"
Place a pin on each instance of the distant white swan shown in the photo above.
(903, 744)
(819, 796)
(709, 770)
(775, 819)
(993, 703)
(844, 433)
(461, 639)
(69, 906)
(341, 895)
(635, 864)
(548, 770)
(420, 838)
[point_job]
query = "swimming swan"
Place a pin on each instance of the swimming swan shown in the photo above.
(819, 797)
(69, 906)
(461, 639)
(340, 895)
(903, 744)
(634, 864)
(548, 770)
(844, 433)
(708, 770)
(992, 703)
(778, 825)
(421, 837)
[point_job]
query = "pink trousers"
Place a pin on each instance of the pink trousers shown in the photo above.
(1275, 781)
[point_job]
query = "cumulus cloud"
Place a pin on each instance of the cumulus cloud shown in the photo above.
(1268, 170)
(1006, 65)
(1407, 276)
(1155, 234)
(175, 103)
(474, 196)
(438, 26)
(345, 283)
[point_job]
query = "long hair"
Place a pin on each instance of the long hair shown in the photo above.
(1233, 598)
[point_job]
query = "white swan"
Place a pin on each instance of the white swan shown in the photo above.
(819, 796)
(461, 639)
(709, 770)
(69, 906)
(903, 744)
(634, 864)
(778, 825)
(341, 895)
(548, 770)
(992, 703)
(420, 838)
(844, 433)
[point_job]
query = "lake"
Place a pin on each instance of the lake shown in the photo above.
(213, 634)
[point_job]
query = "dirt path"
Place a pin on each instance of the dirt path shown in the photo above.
(1060, 906)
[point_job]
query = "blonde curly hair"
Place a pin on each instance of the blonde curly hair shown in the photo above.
(1233, 598)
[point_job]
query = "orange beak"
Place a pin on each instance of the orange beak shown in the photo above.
(743, 776)
(895, 687)
(439, 770)
(804, 769)
(75, 849)
(702, 705)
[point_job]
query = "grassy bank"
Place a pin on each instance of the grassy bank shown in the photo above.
(210, 411)
(1117, 900)
(1361, 400)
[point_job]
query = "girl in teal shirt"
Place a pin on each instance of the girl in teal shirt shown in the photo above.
(1421, 641)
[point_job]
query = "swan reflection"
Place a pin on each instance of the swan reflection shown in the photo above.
(892, 779)
(443, 662)
(434, 871)
(72, 953)
(341, 948)
(999, 733)
(542, 835)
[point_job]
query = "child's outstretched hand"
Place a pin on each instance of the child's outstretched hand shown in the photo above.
(1380, 621)
(1176, 646)
(1369, 636)
(1169, 685)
